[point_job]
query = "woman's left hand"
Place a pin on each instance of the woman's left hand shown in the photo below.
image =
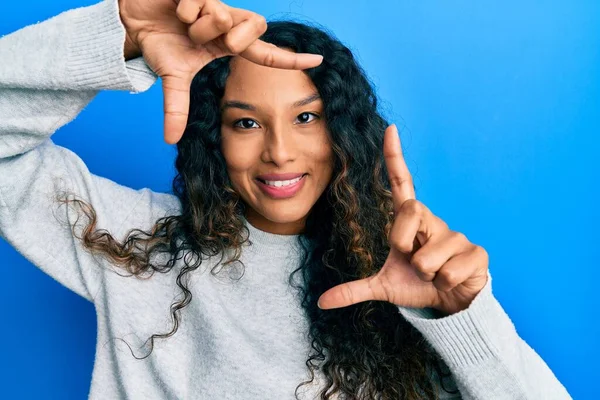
(428, 266)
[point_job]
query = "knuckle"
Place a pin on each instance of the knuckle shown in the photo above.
(261, 23)
(412, 207)
(442, 223)
(269, 60)
(223, 21)
(348, 294)
(182, 13)
(420, 262)
(449, 277)
(399, 244)
(481, 250)
(231, 45)
(396, 181)
(459, 236)
(182, 16)
(176, 113)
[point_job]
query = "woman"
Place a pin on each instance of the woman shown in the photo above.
(288, 178)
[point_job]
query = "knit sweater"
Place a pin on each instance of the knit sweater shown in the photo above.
(244, 339)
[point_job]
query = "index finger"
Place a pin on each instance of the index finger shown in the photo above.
(270, 55)
(401, 181)
(261, 52)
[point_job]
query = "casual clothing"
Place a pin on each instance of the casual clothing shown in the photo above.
(237, 340)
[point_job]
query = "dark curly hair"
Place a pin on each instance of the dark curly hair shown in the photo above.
(372, 351)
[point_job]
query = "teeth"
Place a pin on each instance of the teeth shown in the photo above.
(283, 183)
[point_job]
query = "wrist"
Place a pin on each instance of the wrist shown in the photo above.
(130, 50)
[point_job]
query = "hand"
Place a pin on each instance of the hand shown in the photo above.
(445, 271)
(179, 37)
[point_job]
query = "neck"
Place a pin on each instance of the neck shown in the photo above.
(279, 228)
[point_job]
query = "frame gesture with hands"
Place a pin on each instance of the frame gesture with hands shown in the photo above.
(429, 265)
(177, 38)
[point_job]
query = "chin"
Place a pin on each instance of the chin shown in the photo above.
(284, 214)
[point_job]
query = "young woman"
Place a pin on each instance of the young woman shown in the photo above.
(328, 279)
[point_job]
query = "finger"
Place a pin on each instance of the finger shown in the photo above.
(401, 181)
(270, 55)
(188, 10)
(414, 225)
(430, 258)
(176, 103)
(458, 269)
(247, 28)
(243, 40)
(353, 292)
(215, 20)
(407, 223)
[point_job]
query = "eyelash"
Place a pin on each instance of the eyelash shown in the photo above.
(235, 124)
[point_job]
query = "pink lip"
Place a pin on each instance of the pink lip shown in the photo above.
(280, 177)
(283, 192)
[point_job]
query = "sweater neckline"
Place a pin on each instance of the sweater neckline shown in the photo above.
(261, 237)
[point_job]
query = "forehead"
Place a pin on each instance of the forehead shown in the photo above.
(260, 84)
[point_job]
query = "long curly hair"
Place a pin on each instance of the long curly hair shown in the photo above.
(365, 351)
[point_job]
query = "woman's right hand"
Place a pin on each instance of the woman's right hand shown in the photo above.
(179, 37)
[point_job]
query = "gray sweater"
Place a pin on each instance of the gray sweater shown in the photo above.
(241, 340)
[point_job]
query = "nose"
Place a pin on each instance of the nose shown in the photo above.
(279, 146)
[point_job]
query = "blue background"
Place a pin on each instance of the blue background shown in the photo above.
(498, 105)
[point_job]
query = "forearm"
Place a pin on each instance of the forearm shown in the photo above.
(56, 67)
(487, 357)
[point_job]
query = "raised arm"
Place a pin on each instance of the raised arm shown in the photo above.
(50, 72)
(54, 70)
(441, 283)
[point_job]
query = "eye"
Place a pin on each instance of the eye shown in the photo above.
(244, 123)
(306, 116)
(247, 126)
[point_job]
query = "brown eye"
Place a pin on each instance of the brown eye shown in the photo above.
(305, 117)
(246, 123)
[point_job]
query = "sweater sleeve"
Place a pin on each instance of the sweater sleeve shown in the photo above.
(487, 357)
(49, 72)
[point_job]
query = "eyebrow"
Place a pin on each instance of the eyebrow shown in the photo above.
(250, 107)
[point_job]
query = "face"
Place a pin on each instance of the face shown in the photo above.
(275, 144)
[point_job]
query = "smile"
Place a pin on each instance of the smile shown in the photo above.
(281, 189)
(283, 183)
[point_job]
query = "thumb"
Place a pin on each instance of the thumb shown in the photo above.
(176, 104)
(353, 292)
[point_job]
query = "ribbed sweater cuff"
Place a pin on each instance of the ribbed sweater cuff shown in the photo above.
(470, 336)
(95, 53)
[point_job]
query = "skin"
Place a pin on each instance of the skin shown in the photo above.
(275, 137)
(429, 265)
(179, 37)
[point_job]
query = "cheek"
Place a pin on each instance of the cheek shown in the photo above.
(239, 159)
(239, 155)
(322, 155)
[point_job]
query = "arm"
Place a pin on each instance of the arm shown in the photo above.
(487, 357)
(50, 72)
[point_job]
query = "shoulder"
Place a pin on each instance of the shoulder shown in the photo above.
(149, 206)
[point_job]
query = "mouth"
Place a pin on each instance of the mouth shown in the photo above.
(281, 182)
(281, 189)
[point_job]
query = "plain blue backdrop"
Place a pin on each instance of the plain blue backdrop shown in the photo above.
(498, 104)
